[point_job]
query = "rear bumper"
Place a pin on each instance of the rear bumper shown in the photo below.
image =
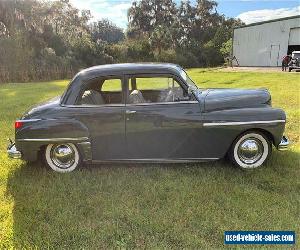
(284, 144)
(12, 152)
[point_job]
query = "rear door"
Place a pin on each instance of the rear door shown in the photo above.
(161, 125)
(104, 115)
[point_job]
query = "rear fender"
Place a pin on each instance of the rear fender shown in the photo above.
(35, 134)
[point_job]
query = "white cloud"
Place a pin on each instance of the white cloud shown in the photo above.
(115, 11)
(268, 14)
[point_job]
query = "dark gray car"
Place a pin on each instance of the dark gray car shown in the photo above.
(149, 113)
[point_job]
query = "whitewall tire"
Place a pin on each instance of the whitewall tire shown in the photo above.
(250, 150)
(62, 157)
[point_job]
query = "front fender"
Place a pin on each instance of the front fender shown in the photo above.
(222, 127)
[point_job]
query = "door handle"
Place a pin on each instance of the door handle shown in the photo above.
(129, 112)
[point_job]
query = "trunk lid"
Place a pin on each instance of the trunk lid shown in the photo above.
(40, 108)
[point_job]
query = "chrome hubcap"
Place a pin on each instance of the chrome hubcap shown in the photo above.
(62, 155)
(250, 150)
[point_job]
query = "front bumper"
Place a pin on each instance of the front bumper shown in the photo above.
(12, 152)
(284, 144)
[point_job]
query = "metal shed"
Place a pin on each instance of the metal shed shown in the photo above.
(264, 44)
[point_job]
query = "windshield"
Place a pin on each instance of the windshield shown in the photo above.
(296, 55)
(188, 80)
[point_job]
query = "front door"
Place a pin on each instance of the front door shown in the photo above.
(161, 121)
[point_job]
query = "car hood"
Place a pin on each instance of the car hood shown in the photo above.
(218, 99)
(38, 110)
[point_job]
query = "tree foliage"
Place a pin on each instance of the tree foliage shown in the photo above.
(42, 40)
(105, 30)
(192, 33)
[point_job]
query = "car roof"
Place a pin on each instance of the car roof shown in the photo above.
(128, 68)
(116, 70)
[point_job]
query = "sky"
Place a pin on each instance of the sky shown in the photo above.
(249, 11)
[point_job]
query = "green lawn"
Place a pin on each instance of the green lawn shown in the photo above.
(148, 206)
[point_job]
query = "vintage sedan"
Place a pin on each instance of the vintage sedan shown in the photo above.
(148, 113)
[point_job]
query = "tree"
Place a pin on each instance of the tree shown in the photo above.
(146, 15)
(186, 19)
(42, 39)
(106, 31)
(225, 31)
(36, 36)
(226, 48)
(206, 21)
(161, 38)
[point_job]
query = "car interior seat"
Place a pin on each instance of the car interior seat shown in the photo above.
(136, 96)
(92, 97)
(172, 94)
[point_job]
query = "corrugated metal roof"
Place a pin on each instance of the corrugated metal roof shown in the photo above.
(268, 21)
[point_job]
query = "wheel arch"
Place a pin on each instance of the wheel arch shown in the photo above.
(84, 149)
(265, 132)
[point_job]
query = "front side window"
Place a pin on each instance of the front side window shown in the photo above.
(102, 91)
(155, 90)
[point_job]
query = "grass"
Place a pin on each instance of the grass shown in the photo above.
(148, 206)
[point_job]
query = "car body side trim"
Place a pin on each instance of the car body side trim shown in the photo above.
(28, 120)
(213, 124)
(53, 139)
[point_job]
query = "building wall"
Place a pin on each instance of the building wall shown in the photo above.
(263, 44)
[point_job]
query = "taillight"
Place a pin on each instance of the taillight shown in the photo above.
(18, 124)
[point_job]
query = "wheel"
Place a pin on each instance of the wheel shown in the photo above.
(62, 157)
(250, 150)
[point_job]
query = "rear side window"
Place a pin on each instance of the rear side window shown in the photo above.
(111, 85)
(103, 91)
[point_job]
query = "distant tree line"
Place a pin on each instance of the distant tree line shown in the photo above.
(43, 40)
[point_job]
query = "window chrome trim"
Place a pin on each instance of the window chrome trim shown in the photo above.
(92, 106)
(129, 104)
(53, 139)
(161, 103)
(213, 124)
